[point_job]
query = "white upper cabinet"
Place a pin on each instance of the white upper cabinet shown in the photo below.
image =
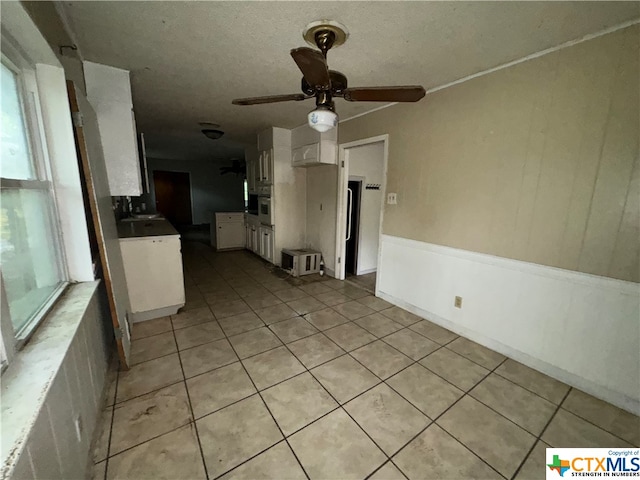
(309, 147)
(109, 92)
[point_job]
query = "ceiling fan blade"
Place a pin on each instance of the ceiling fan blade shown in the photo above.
(313, 66)
(409, 93)
(269, 99)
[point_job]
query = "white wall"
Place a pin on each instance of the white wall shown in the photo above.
(210, 191)
(368, 161)
(581, 329)
(321, 212)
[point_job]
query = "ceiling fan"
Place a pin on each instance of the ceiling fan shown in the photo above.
(325, 85)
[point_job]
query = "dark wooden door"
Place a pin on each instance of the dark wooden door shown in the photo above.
(173, 196)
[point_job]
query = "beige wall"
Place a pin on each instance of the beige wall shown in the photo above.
(535, 162)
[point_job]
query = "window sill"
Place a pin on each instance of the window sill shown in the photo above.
(26, 382)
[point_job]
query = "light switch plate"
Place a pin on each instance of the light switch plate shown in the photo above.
(392, 198)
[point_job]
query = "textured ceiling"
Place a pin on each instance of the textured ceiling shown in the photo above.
(188, 60)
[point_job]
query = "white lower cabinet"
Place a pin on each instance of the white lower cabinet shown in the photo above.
(153, 271)
(266, 243)
(228, 231)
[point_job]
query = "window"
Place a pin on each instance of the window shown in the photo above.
(30, 256)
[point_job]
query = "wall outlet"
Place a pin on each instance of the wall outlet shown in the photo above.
(458, 302)
(392, 198)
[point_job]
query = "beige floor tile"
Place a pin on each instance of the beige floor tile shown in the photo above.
(207, 357)
(152, 347)
(251, 291)
(526, 409)
(199, 334)
(325, 318)
(275, 285)
(225, 296)
(293, 329)
(388, 418)
(149, 416)
(344, 378)
(334, 283)
(454, 368)
(235, 434)
(353, 292)
(315, 289)
(191, 317)
(103, 432)
(240, 323)
(290, 294)
(425, 390)
(276, 313)
(401, 316)
(335, 447)
(353, 310)
(612, 419)
(262, 301)
(566, 430)
(378, 324)
(333, 297)
(314, 350)
(411, 343)
(214, 285)
(148, 376)
(171, 456)
(534, 467)
(388, 472)
(150, 327)
(434, 332)
(99, 470)
(476, 353)
(277, 463)
(436, 454)
(537, 382)
(374, 303)
(349, 336)
(496, 440)
(381, 359)
(254, 342)
(297, 402)
(306, 305)
(229, 309)
(274, 366)
(216, 389)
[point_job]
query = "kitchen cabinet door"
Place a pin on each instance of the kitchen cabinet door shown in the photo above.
(266, 244)
(230, 235)
(255, 244)
(266, 167)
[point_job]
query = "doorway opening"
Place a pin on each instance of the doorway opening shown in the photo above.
(173, 196)
(360, 210)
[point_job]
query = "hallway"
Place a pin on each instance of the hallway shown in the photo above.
(262, 376)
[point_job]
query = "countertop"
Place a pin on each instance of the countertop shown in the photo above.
(155, 227)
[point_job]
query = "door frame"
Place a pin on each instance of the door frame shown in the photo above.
(341, 214)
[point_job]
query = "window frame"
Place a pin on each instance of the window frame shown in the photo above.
(26, 78)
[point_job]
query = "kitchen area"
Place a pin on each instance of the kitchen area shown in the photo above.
(273, 224)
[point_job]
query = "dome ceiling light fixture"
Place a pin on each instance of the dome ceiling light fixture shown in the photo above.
(324, 85)
(212, 133)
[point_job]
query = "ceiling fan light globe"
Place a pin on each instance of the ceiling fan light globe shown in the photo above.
(322, 120)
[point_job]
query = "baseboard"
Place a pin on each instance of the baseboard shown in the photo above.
(157, 313)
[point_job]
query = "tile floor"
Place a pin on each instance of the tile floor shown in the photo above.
(269, 377)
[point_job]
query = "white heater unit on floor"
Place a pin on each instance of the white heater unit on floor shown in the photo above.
(301, 262)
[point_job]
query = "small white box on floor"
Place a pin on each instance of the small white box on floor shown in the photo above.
(301, 262)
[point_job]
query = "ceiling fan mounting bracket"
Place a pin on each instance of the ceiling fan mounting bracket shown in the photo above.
(325, 34)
